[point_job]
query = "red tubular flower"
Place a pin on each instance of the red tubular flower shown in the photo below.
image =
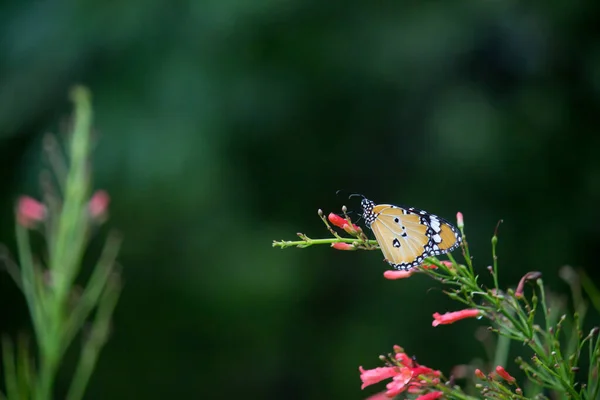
(392, 274)
(343, 246)
(421, 370)
(342, 223)
(452, 317)
(376, 375)
(337, 220)
(30, 211)
(502, 372)
(430, 396)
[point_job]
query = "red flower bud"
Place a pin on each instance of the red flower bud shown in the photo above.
(480, 374)
(502, 372)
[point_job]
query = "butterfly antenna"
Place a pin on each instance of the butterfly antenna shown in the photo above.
(356, 195)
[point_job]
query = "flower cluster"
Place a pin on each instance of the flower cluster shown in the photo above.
(406, 374)
(494, 387)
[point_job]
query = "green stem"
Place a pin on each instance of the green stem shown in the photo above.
(10, 374)
(495, 261)
(25, 370)
(540, 284)
(594, 364)
(310, 242)
(502, 350)
(49, 348)
(48, 369)
(70, 235)
(466, 252)
(93, 291)
(98, 336)
(28, 282)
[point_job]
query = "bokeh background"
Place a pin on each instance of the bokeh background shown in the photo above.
(225, 124)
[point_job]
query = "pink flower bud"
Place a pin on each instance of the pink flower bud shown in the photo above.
(459, 220)
(393, 274)
(30, 211)
(343, 246)
(98, 204)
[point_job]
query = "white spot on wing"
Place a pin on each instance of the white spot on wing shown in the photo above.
(435, 224)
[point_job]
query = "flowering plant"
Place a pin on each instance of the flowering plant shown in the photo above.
(67, 218)
(559, 350)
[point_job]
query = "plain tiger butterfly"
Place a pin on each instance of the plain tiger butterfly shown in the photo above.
(408, 235)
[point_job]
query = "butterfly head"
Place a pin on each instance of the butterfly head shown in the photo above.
(367, 206)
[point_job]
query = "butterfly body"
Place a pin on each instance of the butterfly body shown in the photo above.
(408, 235)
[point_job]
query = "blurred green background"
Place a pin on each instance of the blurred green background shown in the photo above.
(225, 124)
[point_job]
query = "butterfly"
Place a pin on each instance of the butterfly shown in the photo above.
(408, 235)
